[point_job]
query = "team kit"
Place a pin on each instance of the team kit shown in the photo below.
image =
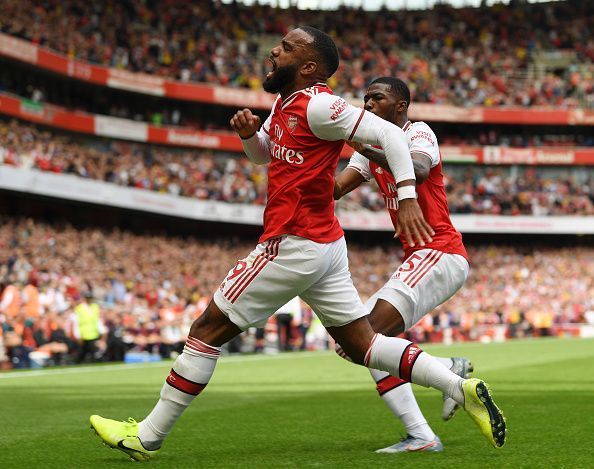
(302, 251)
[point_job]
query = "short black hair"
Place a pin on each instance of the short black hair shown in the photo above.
(399, 88)
(325, 49)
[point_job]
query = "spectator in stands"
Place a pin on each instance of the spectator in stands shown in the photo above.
(4, 360)
(284, 323)
(88, 327)
(115, 347)
(164, 289)
(30, 300)
(10, 304)
(303, 322)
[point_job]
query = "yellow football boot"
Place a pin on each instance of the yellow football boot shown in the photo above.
(479, 404)
(122, 436)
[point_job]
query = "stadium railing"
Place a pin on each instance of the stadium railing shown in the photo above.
(126, 129)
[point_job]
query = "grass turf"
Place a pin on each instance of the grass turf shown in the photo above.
(306, 410)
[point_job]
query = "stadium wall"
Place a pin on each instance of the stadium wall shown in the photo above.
(70, 187)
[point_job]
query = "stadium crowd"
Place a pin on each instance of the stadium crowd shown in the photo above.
(146, 289)
(466, 56)
(206, 175)
(492, 190)
(157, 112)
(173, 113)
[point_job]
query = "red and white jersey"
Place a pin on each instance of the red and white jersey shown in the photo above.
(431, 193)
(304, 155)
(300, 173)
(302, 140)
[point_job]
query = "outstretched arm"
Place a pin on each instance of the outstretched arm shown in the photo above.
(421, 161)
(332, 118)
(407, 212)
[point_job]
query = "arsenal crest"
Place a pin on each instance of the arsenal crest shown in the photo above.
(292, 123)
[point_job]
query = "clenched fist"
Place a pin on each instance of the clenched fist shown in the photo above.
(245, 123)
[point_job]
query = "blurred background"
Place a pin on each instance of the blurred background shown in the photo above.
(124, 196)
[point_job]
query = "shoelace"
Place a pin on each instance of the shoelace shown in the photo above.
(130, 424)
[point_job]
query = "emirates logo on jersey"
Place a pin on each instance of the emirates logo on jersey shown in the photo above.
(292, 122)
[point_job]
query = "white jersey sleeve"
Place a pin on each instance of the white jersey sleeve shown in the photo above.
(421, 139)
(360, 164)
(257, 148)
(331, 118)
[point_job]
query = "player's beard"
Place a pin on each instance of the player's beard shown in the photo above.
(281, 78)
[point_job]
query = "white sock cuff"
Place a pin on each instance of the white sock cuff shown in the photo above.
(392, 354)
(369, 353)
(197, 347)
(190, 374)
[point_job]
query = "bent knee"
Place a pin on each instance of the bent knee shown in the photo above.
(213, 327)
(386, 319)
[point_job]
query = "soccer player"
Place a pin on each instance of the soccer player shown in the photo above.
(430, 274)
(302, 251)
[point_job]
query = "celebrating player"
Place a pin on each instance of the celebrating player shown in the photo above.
(302, 251)
(430, 274)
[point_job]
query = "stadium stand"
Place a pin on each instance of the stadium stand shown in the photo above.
(489, 57)
(151, 287)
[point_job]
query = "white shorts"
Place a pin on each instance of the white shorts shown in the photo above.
(426, 279)
(285, 267)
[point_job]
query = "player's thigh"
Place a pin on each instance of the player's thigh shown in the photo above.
(271, 275)
(333, 297)
(425, 280)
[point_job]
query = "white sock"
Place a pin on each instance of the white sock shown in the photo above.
(447, 362)
(429, 372)
(399, 397)
(406, 360)
(189, 376)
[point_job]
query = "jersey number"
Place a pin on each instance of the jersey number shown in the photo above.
(239, 268)
(409, 264)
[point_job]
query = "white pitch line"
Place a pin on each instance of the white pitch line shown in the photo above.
(136, 366)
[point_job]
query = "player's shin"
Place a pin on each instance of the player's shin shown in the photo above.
(189, 375)
(406, 360)
(399, 397)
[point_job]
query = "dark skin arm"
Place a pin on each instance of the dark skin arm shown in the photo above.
(411, 223)
(348, 180)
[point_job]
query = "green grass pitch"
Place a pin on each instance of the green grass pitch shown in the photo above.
(306, 410)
